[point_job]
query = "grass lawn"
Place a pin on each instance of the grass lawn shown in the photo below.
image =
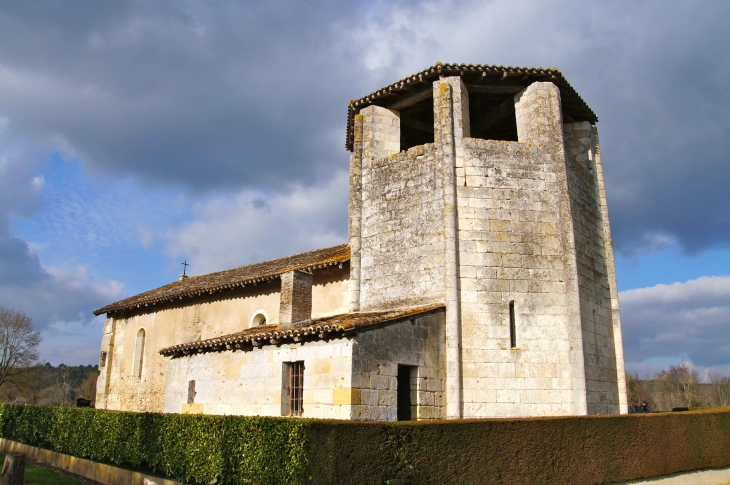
(40, 475)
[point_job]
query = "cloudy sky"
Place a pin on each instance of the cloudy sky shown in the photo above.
(136, 134)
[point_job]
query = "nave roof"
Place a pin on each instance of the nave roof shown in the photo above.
(231, 278)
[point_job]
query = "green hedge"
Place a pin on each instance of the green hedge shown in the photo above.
(190, 448)
(257, 450)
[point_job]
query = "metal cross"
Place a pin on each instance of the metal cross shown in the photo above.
(185, 266)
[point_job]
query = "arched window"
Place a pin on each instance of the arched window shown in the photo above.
(138, 354)
(259, 318)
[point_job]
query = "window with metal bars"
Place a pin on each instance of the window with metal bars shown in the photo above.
(293, 389)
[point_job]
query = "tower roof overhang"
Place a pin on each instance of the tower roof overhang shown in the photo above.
(478, 78)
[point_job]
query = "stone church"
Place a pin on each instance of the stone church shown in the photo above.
(478, 279)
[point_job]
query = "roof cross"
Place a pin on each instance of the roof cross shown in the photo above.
(185, 267)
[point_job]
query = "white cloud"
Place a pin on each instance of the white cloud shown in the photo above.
(72, 343)
(670, 324)
(61, 304)
(60, 296)
(248, 227)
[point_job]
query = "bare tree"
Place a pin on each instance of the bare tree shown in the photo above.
(37, 380)
(63, 383)
(640, 395)
(721, 385)
(18, 344)
(87, 388)
(687, 381)
(677, 387)
(10, 392)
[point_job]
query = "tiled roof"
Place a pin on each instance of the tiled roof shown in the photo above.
(232, 278)
(316, 329)
(504, 77)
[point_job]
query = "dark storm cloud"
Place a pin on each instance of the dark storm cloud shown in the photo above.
(20, 195)
(662, 97)
(19, 265)
(199, 94)
(241, 95)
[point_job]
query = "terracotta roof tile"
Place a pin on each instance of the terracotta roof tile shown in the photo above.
(231, 278)
(481, 74)
(315, 329)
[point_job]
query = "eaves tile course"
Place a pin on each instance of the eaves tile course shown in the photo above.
(231, 278)
(319, 328)
(477, 74)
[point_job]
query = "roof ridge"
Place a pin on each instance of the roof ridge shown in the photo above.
(268, 261)
(239, 276)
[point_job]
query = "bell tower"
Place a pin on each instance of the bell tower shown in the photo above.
(482, 187)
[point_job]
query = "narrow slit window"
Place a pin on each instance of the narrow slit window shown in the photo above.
(293, 389)
(512, 326)
(102, 359)
(191, 392)
(138, 353)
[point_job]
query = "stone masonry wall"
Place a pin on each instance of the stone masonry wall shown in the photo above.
(516, 244)
(376, 354)
(595, 297)
(200, 318)
(402, 230)
(612, 284)
(250, 383)
(510, 250)
(343, 378)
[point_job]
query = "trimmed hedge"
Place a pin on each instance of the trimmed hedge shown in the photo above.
(564, 450)
(257, 450)
(190, 448)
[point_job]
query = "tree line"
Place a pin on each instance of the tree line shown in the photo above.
(24, 380)
(678, 387)
(45, 384)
